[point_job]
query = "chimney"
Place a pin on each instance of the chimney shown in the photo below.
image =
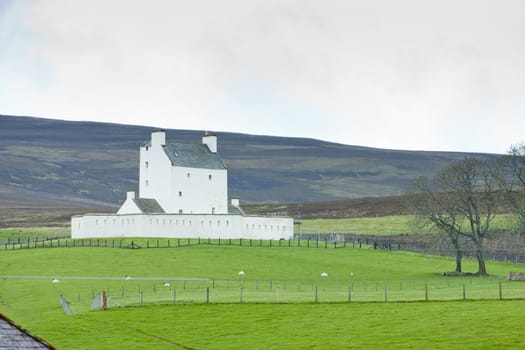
(235, 202)
(210, 140)
(130, 195)
(158, 138)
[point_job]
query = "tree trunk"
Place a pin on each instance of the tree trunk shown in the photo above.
(459, 256)
(482, 270)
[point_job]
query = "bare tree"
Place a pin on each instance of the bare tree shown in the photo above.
(437, 209)
(511, 179)
(472, 179)
(461, 201)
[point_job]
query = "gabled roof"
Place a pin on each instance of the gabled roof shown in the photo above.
(13, 336)
(148, 206)
(235, 210)
(192, 155)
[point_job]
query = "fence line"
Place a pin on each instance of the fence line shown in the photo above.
(515, 255)
(137, 243)
(252, 291)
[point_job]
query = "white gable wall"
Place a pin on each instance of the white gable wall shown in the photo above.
(129, 206)
(198, 191)
(155, 174)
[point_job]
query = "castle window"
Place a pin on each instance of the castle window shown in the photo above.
(213, 210)
(147, 183)
(180, 211)
(209, 177)
(146, 164)
(188, 175)
(180, 193)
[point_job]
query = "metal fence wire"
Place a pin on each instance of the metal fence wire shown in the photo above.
(507, 248)
(141, 293)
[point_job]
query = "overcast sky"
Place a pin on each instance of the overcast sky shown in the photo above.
(404, 74)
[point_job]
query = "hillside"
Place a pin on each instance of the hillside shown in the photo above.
(53, 163)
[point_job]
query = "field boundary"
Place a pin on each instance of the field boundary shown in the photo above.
(243, 291)
(332, 241)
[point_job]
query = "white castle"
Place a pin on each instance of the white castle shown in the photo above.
(183, 193)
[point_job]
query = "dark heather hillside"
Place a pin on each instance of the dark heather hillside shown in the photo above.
(47, 163)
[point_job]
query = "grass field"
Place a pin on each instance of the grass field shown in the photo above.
(434, 325)
(34, 303)
(379, 226)
(15, 234)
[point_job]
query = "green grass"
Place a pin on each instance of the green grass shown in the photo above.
(14, 234)
(433, 325)
(379, 226)
(34, 302)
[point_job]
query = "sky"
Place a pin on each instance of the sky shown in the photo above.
(407, 74)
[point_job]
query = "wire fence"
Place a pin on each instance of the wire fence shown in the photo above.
(130, 243)
(506, 248)
(139, 293)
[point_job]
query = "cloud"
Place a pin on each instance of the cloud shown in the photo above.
(404, 74)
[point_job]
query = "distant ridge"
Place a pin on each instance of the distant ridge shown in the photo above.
(92, 164)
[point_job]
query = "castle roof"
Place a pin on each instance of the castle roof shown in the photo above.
(191, 155)
(148, 206)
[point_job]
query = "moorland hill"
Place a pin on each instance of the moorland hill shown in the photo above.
(56, 163)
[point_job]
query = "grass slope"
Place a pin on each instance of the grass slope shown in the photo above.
(34, 302)
(434, 325)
